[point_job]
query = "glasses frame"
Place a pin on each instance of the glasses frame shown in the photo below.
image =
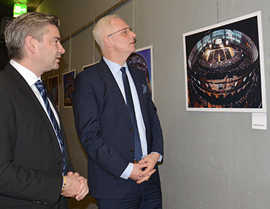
(118, 31)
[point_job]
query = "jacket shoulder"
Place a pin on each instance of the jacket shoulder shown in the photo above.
(7, 78)
(90, 70)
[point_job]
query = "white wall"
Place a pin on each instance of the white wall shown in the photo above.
(212, 160)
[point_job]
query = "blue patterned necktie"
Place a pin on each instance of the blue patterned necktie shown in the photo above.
(137, 141)
(56, 127)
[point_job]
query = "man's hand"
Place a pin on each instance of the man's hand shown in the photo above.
(148, 164)
(136, 173)
(75, 186)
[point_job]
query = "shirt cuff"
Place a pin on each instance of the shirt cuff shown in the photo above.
(160, 157)
(127, 172)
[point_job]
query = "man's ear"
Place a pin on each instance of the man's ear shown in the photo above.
(31, 44)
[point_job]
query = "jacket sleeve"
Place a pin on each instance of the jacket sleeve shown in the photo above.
(155, 127)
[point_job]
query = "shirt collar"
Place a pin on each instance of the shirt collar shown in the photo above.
(114, 67)
(27, 74)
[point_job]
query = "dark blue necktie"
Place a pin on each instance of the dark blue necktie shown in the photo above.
(137, 141)
(56, 127)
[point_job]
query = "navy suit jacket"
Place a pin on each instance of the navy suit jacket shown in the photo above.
(30, 157)
(103, 124)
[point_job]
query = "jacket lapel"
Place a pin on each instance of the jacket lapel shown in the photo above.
(25, 89)
(139, 87)
(110, 82)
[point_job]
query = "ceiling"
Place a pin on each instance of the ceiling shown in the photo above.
(6, 7)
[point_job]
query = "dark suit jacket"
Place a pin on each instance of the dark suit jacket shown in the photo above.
(30, 157)
(103, 124)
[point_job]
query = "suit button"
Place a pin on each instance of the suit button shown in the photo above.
(131, 129)
(132, 150)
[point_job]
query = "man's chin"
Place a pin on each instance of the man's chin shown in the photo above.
(133, 49)
(55, 67)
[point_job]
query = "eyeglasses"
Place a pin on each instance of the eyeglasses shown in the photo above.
(124, 31)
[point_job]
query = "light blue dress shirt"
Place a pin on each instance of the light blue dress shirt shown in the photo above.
(117, 74)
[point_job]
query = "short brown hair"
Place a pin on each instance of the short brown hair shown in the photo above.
(30, 23)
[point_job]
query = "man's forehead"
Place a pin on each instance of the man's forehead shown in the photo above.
(52, 30)
(119, 23)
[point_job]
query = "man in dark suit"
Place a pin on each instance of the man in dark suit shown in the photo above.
(117, 124)
(34, 167)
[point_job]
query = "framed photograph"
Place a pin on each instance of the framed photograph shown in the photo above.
(52, 86)
(142, 59)
(68, 85)
(224, 66)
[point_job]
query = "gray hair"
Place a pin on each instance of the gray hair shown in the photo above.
(99, 30)
(31, 23)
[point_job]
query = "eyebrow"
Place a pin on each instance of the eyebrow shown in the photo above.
(57, 38)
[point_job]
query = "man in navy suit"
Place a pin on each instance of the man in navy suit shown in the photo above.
(108, 126)
(35, 171)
